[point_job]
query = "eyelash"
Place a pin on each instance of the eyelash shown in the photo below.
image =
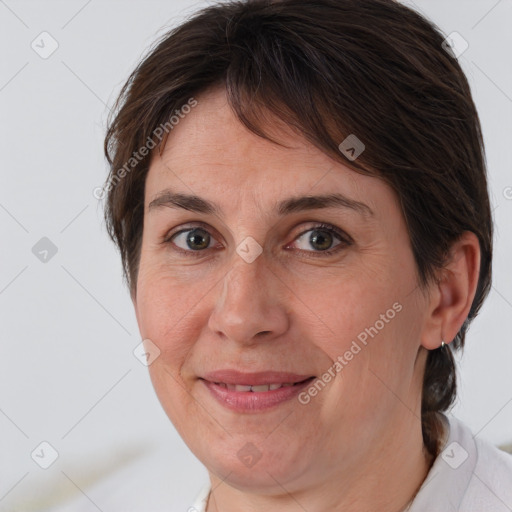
(342, 237)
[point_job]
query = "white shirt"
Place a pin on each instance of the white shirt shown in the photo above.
(469, 475)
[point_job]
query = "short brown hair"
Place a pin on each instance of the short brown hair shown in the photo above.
(328, 68)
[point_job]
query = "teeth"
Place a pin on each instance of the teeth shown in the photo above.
(255, 389)
(262, 387)
(240, 387)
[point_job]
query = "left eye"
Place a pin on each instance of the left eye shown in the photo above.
(321, 238)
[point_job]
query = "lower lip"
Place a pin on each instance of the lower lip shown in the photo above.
(248, 401)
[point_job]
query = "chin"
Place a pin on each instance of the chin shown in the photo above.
(251, 469)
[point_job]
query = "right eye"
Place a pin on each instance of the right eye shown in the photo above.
(192, 240)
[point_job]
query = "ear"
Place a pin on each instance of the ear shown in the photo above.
(451, 297)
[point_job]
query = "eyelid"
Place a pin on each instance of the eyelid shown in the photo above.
(188, 226)
(322, 226)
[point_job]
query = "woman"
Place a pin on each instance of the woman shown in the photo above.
(298, 192)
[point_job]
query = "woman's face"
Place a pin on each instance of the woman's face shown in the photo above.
(261, 286)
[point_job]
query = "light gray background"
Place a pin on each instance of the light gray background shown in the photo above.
(68, 330)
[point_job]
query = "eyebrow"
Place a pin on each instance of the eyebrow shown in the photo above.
(168, 198)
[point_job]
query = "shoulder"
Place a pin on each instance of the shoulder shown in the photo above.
(469, 475)
(489, 475)
(490, 487)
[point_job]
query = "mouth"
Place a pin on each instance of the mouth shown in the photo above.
(254, 392)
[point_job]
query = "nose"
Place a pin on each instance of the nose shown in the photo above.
(249, 306)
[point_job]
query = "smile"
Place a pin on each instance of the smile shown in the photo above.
(255, 392)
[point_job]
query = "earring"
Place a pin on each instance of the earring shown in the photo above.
(443, 344)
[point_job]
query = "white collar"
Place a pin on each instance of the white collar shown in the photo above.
(451, 473)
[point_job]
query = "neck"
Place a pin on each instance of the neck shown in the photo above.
(386, 480)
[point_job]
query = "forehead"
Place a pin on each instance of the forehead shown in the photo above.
(209, 153)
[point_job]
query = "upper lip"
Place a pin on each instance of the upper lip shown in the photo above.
(255, 378)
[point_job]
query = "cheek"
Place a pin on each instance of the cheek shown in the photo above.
(166, 315)
(373, 323)
(349, 304)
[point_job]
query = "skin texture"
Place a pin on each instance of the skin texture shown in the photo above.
(357, 445)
